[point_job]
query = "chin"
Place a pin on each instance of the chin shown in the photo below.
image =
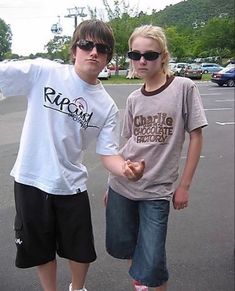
(142, 74)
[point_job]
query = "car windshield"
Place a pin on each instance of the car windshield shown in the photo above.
(171, 65)
(194, 67)
(181, 65)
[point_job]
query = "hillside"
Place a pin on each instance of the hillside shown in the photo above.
(194, 12)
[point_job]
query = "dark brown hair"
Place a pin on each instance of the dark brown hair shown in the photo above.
(95, 30)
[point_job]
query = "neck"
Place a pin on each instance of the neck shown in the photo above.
(155, 82)
(91, 79)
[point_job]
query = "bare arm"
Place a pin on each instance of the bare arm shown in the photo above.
(181, 195)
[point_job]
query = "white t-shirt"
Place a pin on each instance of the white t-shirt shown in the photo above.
(155, 124)
(64, 115)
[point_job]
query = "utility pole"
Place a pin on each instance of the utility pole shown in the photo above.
(75, 12)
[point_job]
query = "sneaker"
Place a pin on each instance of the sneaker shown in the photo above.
(138, 287)
(70, 288)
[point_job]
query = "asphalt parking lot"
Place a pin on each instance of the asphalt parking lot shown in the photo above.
(200, 243)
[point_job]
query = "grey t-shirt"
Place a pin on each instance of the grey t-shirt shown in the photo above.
(155, 124)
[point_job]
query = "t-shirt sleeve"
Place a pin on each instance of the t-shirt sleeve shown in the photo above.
(127, 120)
(194, 113)
(108, 139)
(17, 78)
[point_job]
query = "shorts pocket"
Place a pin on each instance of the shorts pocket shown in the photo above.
(18, 224)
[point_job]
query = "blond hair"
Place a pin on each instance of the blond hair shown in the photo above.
(156, 33)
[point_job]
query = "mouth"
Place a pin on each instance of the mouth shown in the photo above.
(142, 69)
(92, 60)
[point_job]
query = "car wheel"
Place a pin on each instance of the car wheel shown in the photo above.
(230, 83)
(205, 72)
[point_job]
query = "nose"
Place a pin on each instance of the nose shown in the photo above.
(94, 50)
(142, 59)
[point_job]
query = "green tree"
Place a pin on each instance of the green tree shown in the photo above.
(177, 43)
(191, 27)
(122, 24)
(119, 7)
(58, 47)
(217, 37)
(5, 38)
(122, 30)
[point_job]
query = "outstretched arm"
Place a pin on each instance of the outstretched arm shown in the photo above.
(181, 195)
(119, 167)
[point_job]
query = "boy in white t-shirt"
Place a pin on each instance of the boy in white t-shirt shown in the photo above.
(67, 108)
(156, 119)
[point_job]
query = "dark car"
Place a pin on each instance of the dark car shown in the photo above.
(224, 77)
(192, 71)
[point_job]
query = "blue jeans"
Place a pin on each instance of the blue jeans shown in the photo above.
(137, 230)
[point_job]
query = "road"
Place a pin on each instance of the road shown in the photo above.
(200, 243)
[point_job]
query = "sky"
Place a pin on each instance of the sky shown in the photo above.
(31, 20)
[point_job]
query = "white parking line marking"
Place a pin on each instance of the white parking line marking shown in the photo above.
(226, 100)
(217, 109)
(185, 157)
(210, 94)
(225, 123)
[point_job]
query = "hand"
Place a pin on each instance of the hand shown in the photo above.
(105, 198)
(180, 198)
(133, 170)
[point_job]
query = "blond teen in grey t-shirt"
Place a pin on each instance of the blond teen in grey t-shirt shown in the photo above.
(157, 116)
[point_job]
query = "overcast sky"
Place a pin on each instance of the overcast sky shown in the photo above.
(31, 20)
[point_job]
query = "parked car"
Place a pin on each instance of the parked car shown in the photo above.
(105, 73)
(60, 61)
(131, 74)
(192, 71)
(230, 65)
(210, 68)
(230, 62)
(224, 77)
(176, 69)
(1, 96)
(113, 67)
(171, 66)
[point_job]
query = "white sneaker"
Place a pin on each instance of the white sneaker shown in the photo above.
(139, 287)
(70, 288)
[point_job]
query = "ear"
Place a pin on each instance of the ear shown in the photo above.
(165, 56)
(74, 52)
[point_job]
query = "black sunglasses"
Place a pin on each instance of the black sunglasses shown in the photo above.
(148, 56)
(88, 45)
